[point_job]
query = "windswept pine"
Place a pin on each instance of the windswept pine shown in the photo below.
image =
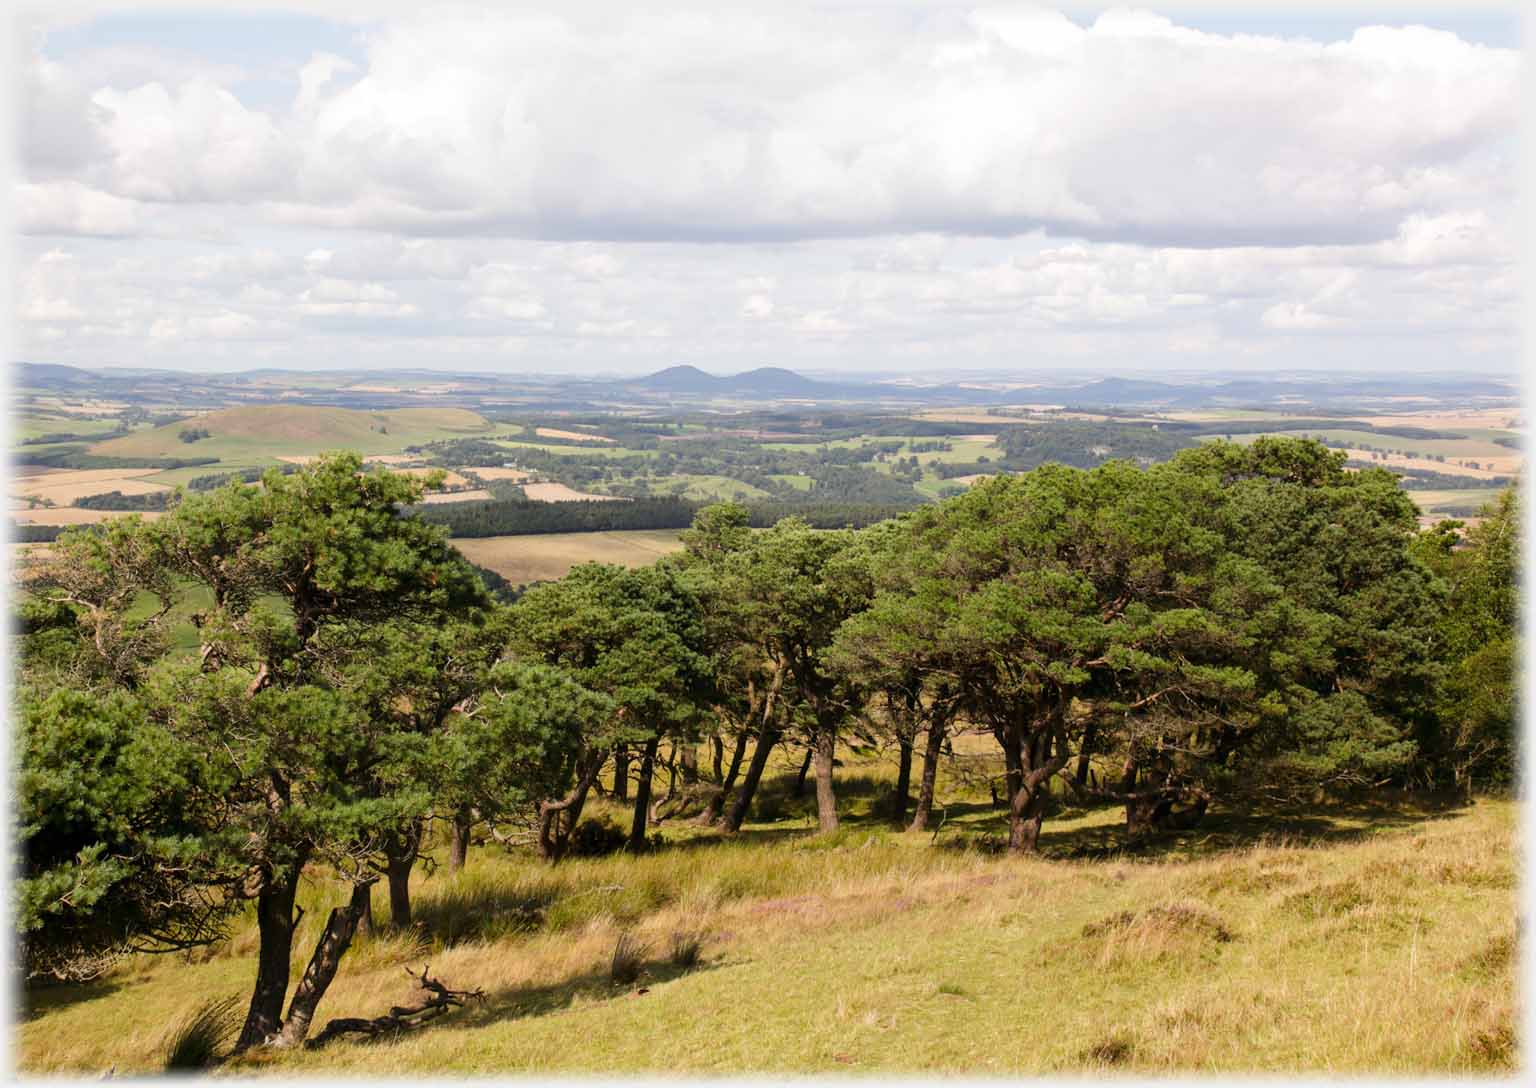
(239, 720)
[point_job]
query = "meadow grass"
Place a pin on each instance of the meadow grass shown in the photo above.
(1368, 938)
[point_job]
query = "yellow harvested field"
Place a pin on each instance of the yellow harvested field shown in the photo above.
(561, 493)
(967, 480)
(66, 486)
(375, 459)
(1496, 418)
(486, 472)
(70, 515)
(1016, 413)
(575, 436)
(545, 557)
(478, 494)
(1495, 466)
(85, 408)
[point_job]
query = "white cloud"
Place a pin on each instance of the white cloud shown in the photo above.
(68, 207)
(194, 143)
(733, 124)
(1002, 186)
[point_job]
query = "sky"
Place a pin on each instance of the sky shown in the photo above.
(929, 188)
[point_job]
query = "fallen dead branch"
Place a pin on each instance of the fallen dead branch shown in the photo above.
(401, 1018)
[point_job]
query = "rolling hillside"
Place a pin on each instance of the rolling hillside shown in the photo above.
(273, 430)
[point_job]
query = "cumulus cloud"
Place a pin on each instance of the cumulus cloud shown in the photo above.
(736, 125)
(1001, 186)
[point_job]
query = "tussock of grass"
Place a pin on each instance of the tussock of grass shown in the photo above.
(1156, 933)
(685, 948)
(194, 1043)
(1116, 1048)
(628, 960)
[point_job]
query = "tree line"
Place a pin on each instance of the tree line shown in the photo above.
(1237, 623)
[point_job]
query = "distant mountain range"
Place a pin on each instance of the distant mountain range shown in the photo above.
(397, 388)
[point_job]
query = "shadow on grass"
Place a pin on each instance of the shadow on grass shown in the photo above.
(983, 826)
(37, 999)
(526, 1002)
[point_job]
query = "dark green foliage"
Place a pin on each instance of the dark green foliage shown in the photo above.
(1084, 444)
(477, 519)
(76, 457)
(247, 476)
(116, 500)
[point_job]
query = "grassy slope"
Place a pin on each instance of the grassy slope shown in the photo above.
(1383, 944)
(250, 435)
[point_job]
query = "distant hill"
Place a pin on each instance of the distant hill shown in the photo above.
(766, 381)
(41, 376)
(261, 431)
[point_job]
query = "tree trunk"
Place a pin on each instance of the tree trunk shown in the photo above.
(903, 781)
(1090, 734)
(333, 944)
(826, 800)
(805, 766)
(688, 763)
(557, 819)
(711, 813)
(717, 747)
(621, 772)
(362, 906)
(1128, 775)
(400, 858)
(936, 730)
(643, 796)
(275, 922)
(743, 800)
(1031, 764)
(458, 840)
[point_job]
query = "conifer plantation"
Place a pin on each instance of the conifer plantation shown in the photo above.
(235, 723)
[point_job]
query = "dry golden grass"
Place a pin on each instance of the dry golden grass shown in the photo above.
(575, 436)
(1392, 953)
(550, 492)
(477, 494)
(546, 556)
(487, 472)
(65, 486)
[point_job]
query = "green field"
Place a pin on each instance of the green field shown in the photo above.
(34, 426)
(1431, 501)
(1472, 448)
(701, 488)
